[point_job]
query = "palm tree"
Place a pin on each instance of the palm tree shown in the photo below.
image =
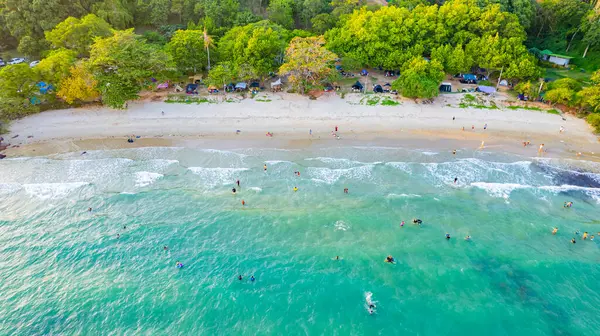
(208, 43)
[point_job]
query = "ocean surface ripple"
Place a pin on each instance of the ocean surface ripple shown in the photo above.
(66, 270)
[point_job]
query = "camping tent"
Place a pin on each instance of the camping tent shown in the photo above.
(191, 89)
(276, 83)
(446, 87)
(255, 85)
(486, 89)
(357, 86)
(241, 86)
(469, 77)
(377, 88)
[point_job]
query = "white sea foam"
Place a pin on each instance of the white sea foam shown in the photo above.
(212, 177)
(144, 178)
(429, 153)
(257, 189)
(52, 190)
(341, 226)
(330, 176)
(402, 195)
(274, 162)
(499, 189)
(9, 188)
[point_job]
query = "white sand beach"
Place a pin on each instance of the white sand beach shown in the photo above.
(291, 118)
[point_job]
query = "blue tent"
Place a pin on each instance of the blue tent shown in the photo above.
(191, 88)
(469, 77)
(486, 89)
(44, 87)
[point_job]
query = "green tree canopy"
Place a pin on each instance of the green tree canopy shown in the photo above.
(281, 12)
(56, 65)
(78, 34)
(122, 62)
(221, 75)
(307, 63)
(187, 50)
(420, 79)
(391, 36)
(17, 86)
(258, 45)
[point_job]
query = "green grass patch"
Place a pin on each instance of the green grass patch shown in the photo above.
(553, 111)
(372, 101)
(529, 108)
(262, 100)
(469, 98)
(187, 100)
(558, 73)
(389, 102)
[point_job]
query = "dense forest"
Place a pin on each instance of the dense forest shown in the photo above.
(110, 49)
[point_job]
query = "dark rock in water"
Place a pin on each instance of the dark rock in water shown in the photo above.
(2, 156)
(577, 178)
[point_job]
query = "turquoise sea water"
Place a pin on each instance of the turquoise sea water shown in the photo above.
(64, 271)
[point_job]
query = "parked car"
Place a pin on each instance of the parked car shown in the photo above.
(2, 62)
(34, 63)
(17, 60)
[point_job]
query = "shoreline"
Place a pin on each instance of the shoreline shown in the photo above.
(290, 121)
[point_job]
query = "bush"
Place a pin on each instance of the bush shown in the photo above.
(594, 120)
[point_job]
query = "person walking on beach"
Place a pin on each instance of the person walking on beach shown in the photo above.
(472, 127)
(310, 132)
(238, 183)
(541, 149)
(336, 128)
(485, 126)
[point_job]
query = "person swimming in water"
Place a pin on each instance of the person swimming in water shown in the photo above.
(337, 257)
(118, 236)
(454, 152)
(265, 167)
(417, 221)
(89, 209)
(573, 241)
(447, 236)
(455, 180)
(370, 304)
(165, 248)
(240, 277)
(345, 190)
(233, 190)
(243, 203)
(252, 278)
(585, 235)
(238, 183)
(467, 238)
(295, 188)
(554, 231)
(591, 237)
(390, 259)
(179, 265)
(402, 224)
